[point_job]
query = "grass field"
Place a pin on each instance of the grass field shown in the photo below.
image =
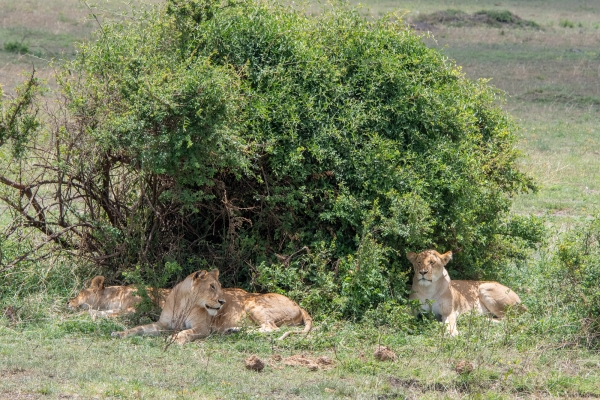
(551, 75)
(74, 359)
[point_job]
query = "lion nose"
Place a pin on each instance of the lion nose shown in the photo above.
(221, 302)
(423, 273)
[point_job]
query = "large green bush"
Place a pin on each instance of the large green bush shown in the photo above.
(297, 153)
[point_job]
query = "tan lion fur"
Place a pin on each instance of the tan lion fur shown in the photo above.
(188, 310)
(447, 298)
(269, 311)
(113, 300)
(191, 308)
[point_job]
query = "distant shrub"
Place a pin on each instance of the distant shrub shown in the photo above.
(565, 23)
(504, 17)
(501, 16)
(495, 18)
(16, 47)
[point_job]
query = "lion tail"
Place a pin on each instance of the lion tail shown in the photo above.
(308, 325)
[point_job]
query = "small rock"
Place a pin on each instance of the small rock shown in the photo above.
(463, 367)
(254, 363)
(384, 353)
(312, 367)
(276, 357)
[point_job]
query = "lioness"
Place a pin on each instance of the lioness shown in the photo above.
(431, 283)
(269, 311)
(188, 309)
(201, 307)
(113, 300)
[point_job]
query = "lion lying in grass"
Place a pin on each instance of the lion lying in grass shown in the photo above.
(447, 298)
(268, 310)
(111, 301)
(198, 306)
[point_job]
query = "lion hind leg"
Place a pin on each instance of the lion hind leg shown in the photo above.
(264, 318)
(308, 325)
(496, 298)
(268, 326)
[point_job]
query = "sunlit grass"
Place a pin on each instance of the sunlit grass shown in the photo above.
(75, 356)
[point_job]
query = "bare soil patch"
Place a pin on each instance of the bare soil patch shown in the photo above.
(302, 360)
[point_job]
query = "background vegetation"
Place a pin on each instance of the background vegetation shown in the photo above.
(290, 151)
(549, 74)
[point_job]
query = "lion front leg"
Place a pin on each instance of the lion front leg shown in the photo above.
(450, 321)
(154, 329)
(189, 335)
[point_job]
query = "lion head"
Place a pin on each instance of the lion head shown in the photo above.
(88, 296)
(206, 290)
(429, 266)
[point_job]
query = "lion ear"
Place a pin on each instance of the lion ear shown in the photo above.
(446, 257)
(215, 273)
(97, 283)
(412, 257)
(200, 274)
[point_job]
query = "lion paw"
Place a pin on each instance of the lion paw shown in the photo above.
(180, 339)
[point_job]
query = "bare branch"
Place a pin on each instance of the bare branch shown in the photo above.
(51, 238)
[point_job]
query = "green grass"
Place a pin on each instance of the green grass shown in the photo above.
(47, 351)
(562, 148)
(550, 78)
(74, 355)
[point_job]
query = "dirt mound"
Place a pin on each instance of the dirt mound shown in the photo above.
(463, 367)
(384, 353)
(451, 17)
(313, 364)
(254, 363)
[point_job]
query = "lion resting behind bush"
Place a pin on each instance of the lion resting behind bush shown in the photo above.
(447, 298)
(113, 300)
(198, 306)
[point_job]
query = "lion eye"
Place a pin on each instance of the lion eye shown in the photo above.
(212, 286)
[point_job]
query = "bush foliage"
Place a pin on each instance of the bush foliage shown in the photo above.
(300, 154)
(577, 270)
